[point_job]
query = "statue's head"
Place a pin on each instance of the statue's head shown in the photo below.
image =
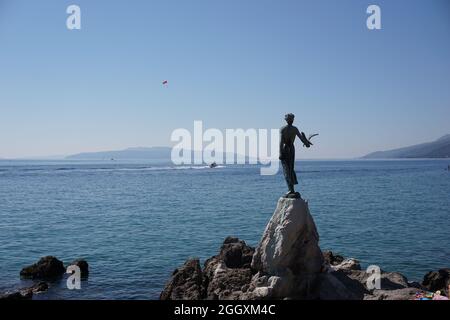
(289, 118)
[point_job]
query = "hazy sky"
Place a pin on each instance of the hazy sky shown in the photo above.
(232, 64)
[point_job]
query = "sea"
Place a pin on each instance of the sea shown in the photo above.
(135, 222)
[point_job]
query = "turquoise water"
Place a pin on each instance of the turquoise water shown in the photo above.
(135, 222)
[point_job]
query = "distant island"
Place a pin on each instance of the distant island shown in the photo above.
(157, 153)
(439, 148)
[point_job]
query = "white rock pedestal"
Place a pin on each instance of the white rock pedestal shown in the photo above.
(288, 258)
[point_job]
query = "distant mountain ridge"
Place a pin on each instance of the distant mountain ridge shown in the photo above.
(139, 153)
(439, 148)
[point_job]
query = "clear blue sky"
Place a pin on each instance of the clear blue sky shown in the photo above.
(232, 64)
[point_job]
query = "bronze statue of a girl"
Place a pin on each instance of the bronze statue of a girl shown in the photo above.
(288, 133)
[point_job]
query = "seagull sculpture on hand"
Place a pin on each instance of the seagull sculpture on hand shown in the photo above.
(309, 138)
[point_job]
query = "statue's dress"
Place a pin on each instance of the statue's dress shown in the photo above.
(288, 161)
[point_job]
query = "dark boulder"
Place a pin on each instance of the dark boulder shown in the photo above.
(437, 280)
(225, 276)
(221, 282)
(338, 286)
(393, 281)
(235, 253)
(46, 268)
(84, 267)
(332, 259)
(417, 285)
(353, 284)
(227, 283)
(185, 283)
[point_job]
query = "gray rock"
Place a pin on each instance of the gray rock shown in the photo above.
(46, 268)
(389, 280)
(290, 241)
(347, 264)
(288, 255)
(397, 294)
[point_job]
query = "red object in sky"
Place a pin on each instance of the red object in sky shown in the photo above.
(165, 82)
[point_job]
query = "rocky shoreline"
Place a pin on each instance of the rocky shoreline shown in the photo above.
(289, 264)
